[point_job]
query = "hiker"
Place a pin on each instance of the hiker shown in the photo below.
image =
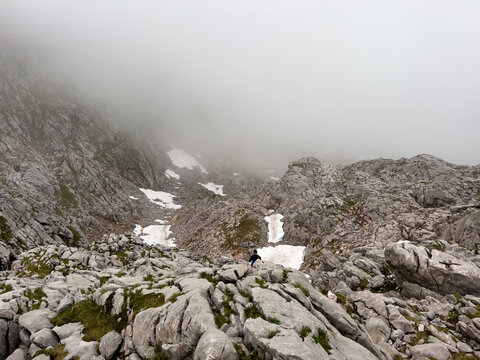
(254, 257)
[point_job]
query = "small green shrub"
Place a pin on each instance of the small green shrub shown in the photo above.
(261, 283)
(4, 288)
(209, 277)
(305, 291)
(271, 334)
(304, 332)
(273, 320)
(251, 311)
(322, 339)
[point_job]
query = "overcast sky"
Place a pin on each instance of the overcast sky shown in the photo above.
(340, 80)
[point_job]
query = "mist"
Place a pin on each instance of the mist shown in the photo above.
(271, 81)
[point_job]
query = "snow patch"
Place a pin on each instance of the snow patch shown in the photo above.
(171, 174)
(217, 189)
(286, 255)
(181, 159)
(275, 227)
(133, 198)
(161, 198)
(155, 234)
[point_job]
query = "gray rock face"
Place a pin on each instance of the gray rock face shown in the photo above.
(144, 332)
(109, 344)
(45, 338)
(215, 345)
(436, 351)
(18, 354)
(36, 320)
(435, 270)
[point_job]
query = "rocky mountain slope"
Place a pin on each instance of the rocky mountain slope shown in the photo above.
(120, 298)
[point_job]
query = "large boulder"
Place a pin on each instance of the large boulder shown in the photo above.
(36, 320)
(433, 269)
(215, 345)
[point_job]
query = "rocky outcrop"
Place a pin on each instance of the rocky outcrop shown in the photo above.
(436, 270)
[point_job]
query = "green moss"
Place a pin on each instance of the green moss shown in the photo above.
(4, 288)
(363, 284)
(174, 297)
(159, 354)
(273, 320)
(209, 277)
(220, 319)
(253, 355)
(304, 290)
(285, 274)
(36, 297)
(76, 237)
(304, 332)
(148, 277)
(104, 279)
(271, 334)
(261, 283)
(246, 295)
(121, 274)
(5, 231)
(96, 320)
(139, 301)
(322, 339)
(251, 311)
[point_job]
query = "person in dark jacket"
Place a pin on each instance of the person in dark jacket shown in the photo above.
(254, 257)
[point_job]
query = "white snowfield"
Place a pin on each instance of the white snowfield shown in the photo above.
(171, 174)
(286, 255)
(275, 227)
(155, 234)
(181, 159)
(217, 189)
(161, 198)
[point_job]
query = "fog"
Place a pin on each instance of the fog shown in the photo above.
(273, 80)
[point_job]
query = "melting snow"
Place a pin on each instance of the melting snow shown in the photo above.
(217, 189)
(161, 198)
(171, 174)
(181, 159)
(286, 255)
(133, 198)
(155, 234)
(275, 227)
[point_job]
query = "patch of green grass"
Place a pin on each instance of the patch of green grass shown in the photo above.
(420, 335)
(159, 354)
(5, 231)
(462, 356)
(261, 283)
(67, 198)
(57, 353)
(148, 277)
(208, 277)
(322, 339)
(247, 230)
(41, 268)
(305, 291)
(139, 301)
(246, 295)
(104, 279)
(76, 237)
(273, 320)
(251, 311)
(96, 320)
(304, 332)
(253, 355)
(123, 257)
(285, 274)
(174, 297)
(36, 297)
(4, 288)
(220, 319)
(271, 334)
(364, 284)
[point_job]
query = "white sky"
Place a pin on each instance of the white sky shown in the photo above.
(341, 80)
